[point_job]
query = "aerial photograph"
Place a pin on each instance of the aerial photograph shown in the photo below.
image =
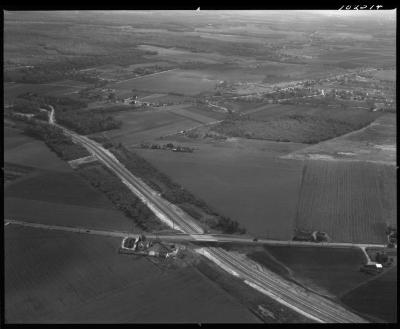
(199, 166)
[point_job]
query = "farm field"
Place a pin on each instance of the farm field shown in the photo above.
(62, 277)
(275, 72)
(163, 98)
(12, 172)
(24, 150)
(332, 271)
(199, 116)
(387, 75)
(140, 126)
(352, 115)
(350, 57)
(259, 191)
(141, 65)
(181, 55)
(279, 122)
(174, 81)
(350, 201)
(66, 87)
(52, 213)
(115, 71)
(241, 106)
(52, 192)
(296, 124)
(335, 272)
(232, 73)
(252, 147)
(377, 297)
(374, 143)
(200, 32)
(58, 187)
(207, 111)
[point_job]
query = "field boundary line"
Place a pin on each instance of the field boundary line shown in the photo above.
(372, 278)
(146, 75)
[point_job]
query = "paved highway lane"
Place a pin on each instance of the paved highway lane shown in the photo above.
(304, 302)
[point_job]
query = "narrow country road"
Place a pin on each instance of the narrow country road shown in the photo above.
(219, 238)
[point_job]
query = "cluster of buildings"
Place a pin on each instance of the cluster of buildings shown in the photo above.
(169, 147)
(371, 93)
(381, 259)
(310, 236)
(133, 100)
(142, 246)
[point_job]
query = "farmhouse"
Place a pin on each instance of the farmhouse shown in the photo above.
(130, 100)
(372, 268)
(378, 106)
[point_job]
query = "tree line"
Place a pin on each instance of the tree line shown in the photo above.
(55, 139)
(87, 122)
(172, 191)
(68, 68)
(101, 178)
(71, 113)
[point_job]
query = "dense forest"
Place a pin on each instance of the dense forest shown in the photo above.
(68, 112)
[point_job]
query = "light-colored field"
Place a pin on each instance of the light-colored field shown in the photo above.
(147, 64)
(240, 179)
(350, 201)
(152, 97)
(374, 143)
(352, 57)
(388, 75)
(140, 126)
(256, 30)
(181, 55)
(193, 115)
(224, 36)
(207, 111)
(233, 73)
(176, 81)
(271, 73)
(115, 72)
(164, 98)
(64, 277)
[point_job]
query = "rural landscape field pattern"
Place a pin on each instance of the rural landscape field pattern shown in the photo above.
(263, 125)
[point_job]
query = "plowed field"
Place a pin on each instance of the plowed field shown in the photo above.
(351, 201)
